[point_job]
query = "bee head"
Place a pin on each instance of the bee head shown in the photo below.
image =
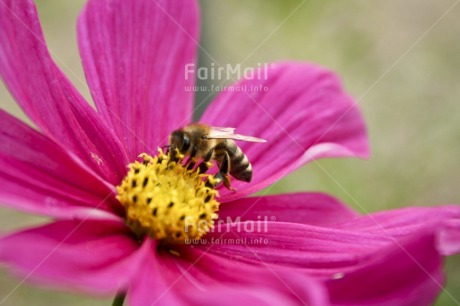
(180, 140)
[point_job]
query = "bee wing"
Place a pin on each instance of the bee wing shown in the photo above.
(227, 133)
(223, 129)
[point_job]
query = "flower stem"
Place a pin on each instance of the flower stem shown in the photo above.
(119, 299)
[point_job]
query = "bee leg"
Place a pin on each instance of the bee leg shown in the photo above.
(226, 178)
(192, 160)
(206, 164)
(174, 156)
(224, 170)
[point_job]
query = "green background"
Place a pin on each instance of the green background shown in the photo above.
(400, 59)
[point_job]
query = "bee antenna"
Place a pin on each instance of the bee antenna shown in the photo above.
(167, 147)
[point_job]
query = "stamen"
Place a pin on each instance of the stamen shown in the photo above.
(165, 200)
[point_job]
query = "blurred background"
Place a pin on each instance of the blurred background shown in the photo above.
(400, 59)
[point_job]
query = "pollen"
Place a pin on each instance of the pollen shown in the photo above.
(165, 200)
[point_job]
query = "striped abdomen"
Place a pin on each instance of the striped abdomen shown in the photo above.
(240, 168)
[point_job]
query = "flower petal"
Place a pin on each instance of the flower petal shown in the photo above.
(302, 112)
(38, 176)
(394, 257)
(257, 285)
(134, 55)
(341, 245)
(149, 287)
(47, 96)
(449, 238)
(92, 256)
(410, 273)
(311, 208)
(193, 277)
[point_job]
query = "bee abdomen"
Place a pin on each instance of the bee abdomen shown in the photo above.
(240, 168)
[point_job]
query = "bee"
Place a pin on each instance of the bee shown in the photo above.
(200, 141)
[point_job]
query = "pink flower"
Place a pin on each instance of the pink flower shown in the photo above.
(316, 252)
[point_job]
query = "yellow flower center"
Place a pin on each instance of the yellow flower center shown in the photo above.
(165, 200)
